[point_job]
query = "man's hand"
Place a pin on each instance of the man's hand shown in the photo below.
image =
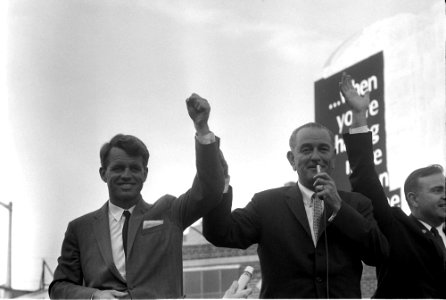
(108, 294)
(199, 110)
(355, 101)
(359, 104)
(325, 189)
(232, 292)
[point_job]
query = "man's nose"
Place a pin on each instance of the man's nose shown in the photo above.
(126, 173)
(315, 155)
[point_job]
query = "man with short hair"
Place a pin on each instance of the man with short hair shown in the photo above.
(129, 248)
(416, 266)
(312, 238)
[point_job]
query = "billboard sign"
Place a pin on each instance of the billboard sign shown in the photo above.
(332, 111)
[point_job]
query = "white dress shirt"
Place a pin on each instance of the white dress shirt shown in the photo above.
(116, 222)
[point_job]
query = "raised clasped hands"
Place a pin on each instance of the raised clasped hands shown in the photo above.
(199, 111)
(326, 190)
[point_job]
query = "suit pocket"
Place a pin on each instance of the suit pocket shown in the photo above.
(153, 229)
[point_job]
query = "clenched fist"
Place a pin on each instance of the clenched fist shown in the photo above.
(199, 110)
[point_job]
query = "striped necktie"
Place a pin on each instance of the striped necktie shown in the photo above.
(317, 215)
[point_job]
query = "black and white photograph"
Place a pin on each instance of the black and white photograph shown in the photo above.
(159, 149)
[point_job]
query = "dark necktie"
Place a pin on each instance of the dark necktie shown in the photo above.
(125, 228)
(438, 239)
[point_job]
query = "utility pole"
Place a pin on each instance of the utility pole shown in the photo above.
(42, 277)
(8, 269)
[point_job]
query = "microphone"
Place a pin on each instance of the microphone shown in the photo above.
(245, 278)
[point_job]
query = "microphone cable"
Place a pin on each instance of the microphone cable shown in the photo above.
(326, 253)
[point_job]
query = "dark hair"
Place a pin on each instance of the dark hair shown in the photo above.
(411, 183)
(129, 143)
(310, 125)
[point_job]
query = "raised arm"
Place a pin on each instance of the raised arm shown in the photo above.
(208, 184)
(238, 229)
(364, 178)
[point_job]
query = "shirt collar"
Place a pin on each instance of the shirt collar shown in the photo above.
(116, 211)
(429, 227)
(306, 194)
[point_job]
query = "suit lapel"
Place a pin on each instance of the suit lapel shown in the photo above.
(101, 230)
(419, 226)
(296, 204)
(135, 223)
(427, 234)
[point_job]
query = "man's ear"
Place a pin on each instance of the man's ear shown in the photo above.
(146, 172)
(412, 199)
(102, 174)
(290, 157)
(333, 161)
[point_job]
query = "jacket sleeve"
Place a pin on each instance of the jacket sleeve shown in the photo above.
(358, 224)
(207, 188)
(237, 229)
(68, 277)
(364, 178)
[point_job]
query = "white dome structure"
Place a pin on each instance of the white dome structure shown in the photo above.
(413, 47)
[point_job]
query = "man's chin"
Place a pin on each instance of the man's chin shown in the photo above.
(128, 195)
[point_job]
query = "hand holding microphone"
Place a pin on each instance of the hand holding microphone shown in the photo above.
(326, 190)
(239, 289)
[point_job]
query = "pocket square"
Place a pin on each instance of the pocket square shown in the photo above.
(152, 223)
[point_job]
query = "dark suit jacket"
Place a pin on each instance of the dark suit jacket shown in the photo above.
(291, 266)
(154, 263)
(415, 268)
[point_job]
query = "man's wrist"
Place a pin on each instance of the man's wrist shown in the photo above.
(206, 139)
(202, 129)
(333, 215)
(335, 212)
(359, 118)
(227, 180)
(360, 129)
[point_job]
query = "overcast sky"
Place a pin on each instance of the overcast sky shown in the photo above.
(79, 72)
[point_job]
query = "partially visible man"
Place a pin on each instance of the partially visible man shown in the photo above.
(311, 237)
(416, 266)
(129, 248)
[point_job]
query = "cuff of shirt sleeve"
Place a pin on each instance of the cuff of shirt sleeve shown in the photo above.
(362, 129)
(206, 139)
(333, 215)
(226, 189)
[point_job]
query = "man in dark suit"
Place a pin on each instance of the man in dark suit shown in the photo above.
(129, 248)
(311, 237)
(416, 265)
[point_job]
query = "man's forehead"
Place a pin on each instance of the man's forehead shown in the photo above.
(312, 135)
(432, 180)
(117, 154)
